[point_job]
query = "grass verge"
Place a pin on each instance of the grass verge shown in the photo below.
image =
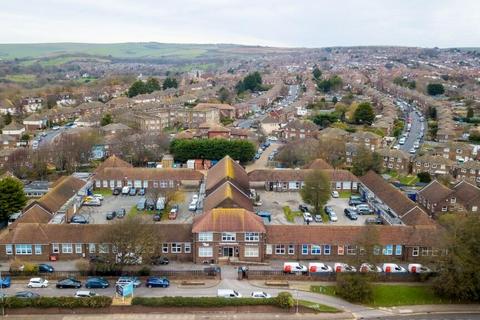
(290, 215)
(103, 191)
(317, 307)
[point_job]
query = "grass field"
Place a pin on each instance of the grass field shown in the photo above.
(393, 295)
(21, 78)
(317, 307)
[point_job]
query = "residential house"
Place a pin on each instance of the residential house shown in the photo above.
(270, 125)
(469, 171)
(435, 165)
(35, 122)
(299, 129)
(370, 140)
(225, 110)
(395, 160)
(14, 129)
(455, 151)
(8, 142)
(115, 128)
(436, 198)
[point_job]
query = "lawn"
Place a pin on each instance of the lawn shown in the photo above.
(103, 191)
(344, 194)
(290, 215)
(408, 180)
(317, 307)
(21, 78)
(393, 295)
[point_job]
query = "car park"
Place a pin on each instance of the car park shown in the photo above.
(369, 267)
(111, 215)
(37, 283)
(393, 268)
(121, 213)
(68, 283)
(318, 267)
(307, 217)
(363, 209)
(303, 208)
(157, 282)
(96, 282)
(228, 293)
(260, 295)
(125, 190)
(5, 282)
(141, 204)
(98, 196)
(335, 194)
(78, 219)
(159, 260)
(85, 294)
(116, 191)
(351, 213)
(26, 295)
(45, 268)
(294, 267)
(141, 192)
(126, 280)
(343, 267)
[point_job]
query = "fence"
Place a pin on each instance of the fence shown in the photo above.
(332, 276)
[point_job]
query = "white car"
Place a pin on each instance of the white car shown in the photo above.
(413, 151)
(307, 217)
(401, 141)
(193, 206)
(396, 147)
(335, 194)
(195, 198)
(85, 294)
(333, 217)
(98, 196)
(37, 283)
(260, 294)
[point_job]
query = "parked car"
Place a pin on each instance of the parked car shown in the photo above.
(173, 212)
(212, 270)
(37, 283)
(26, 295)
(260, 295)
(364, 209)
(78, 219)
(317, 267)
(418, 268)
(132, 192)
(92, 202)
(126, 280)
(368, 267)
(121, 213)
(141, 192)
(376, 220)
(125, 190)
(160, 205)
(68, 283)
(157, 216)
(228, 293)
(303, 208)
(150, 204)
(193, 206)
(354, 202)
(195, 197)
(343, 267)
(307, 217)
(5, 282)
(333, 216)
(43, 267)
(351, 213)
(116, 191)
(318, 218)
(96, 282)
(294, 267)
(141, 204)
(98, 196)
(111, 215)
(335, 194)
(85, 294)
(393, 268)
(155, 282)
(159, 260)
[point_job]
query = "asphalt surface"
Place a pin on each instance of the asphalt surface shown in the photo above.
(415, 129)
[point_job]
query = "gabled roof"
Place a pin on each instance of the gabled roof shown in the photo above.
(260, 175)
(319, 164)
(120, 173)
(13, 126)
(435, 192)
(228, 220)
(63, 190)
(220, 106)
(302, 124)
(416, 217)
(35, 214)
(230, 193)
(113, 162)
(115, 127)
(466, 193)
(227, 170)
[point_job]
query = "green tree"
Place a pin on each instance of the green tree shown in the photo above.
(364, 114)
(224, 95)
(432, 113)
(354, 287)
(152, 84)
(434, 89)
(365, 160)
(212, 149)
(138, 87)
(334, 100)
(12, 197)
(25, 137)
(470, 113)
(252, 82)
(316, 73)
(170, 83)
(325, 119)
(7, 118)
(107, 119)
(458, 274)
(316, 190)
(424, 177)
(324, 85)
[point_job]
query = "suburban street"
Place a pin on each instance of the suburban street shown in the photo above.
(415, 130)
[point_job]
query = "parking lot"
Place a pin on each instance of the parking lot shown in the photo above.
(97, 215)
(274, 202)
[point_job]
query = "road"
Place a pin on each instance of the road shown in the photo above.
(415, 130)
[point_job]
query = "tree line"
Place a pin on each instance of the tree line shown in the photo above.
(152, 84)
(212, 149)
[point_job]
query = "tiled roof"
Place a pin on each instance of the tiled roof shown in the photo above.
(229, 195)
(113, 162)
(297, 175)
(299, 124)
(221, 106)
(416, 217)
(228, 220)
(319, 164)
(392, 153)
(121, 173)
(227, 170)
(13, 126)
(35, 214)
(466, 193)
(435, 192)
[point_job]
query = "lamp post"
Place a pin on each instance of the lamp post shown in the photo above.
(296, 294)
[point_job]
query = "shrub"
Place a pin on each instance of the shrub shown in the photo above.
(354, 288)
(58, 302)
(284, 300)
(144, 271)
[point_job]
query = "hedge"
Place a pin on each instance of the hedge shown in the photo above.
(57, 302)
(283, 300)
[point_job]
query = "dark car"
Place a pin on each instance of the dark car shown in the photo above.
(157, 216)
(43, 267)
(351, 214)
(5, 282)
(96, 282)
(328, 210)
(26, 295)
(355, 202)
(97, 259)
(376, 220)
(159, 260)
(78, 219)
(121, 213)
(111, 215)
(303, 208)
(153, 282)
(150, 204)
(141, 192)
(212, 270)
(133, 192)
(117, 191)
(68, 283)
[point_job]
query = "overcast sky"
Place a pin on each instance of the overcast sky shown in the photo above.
(292, 23)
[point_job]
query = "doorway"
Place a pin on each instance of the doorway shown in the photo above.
(228, 252)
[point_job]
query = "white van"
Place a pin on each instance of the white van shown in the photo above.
(294, 267)
(392, 268)
(125, 190)
(343, 267)
(418, 268)
(318, 267)
(228, 293)
(160, 203)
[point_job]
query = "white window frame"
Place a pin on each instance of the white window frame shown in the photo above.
(55, 247)
(305, 249)
(351, 250)
(176, 247)
(315, 250)
(388, 250)
(67, 248)
(92, 248)
(252, 236)
(340, 250)
(187, 247)
(205, 236)
(205, 252)
(291, 249)
(229, 236)
(23, 249)
(38, 249)
(78, 248)
(165, 248)
(251, 252)
(415, 251)
(9, 249)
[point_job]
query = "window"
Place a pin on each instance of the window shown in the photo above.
(103, 248)
(415, 251)
(205, 236)
(23, 249)
(55, 248)
(67, 248)
(398, 250)
(228, 236)
(176, 248)
(291, 249)
(304, 249)
(327, 249)
(205, 252)
(9, 249)
(91, 248)
(362, 250)
(376, 250)
(38, 249)
(165, 248)
(474, 208)
(251, 252)
(188, 247)
(78, 248)
(315, 250)
(388, 250)
(252, 236)
(444, 208)
(340, 250)
(453, 200)
(351, 250)
(426, 251)
(279, 249)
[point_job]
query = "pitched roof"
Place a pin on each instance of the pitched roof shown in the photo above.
(466, 192)
(35, 214)
(416, 217)
(115, 126)
(228, 220)
(227, 170)
(435, 192)
(227, 192)
(344, 235)
(113, 162)
(319, 164)
(13, 126)
(220, 106)
(298, 175)
(302, 124)
(392, 153)
(120, 173)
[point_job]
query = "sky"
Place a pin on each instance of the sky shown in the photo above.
(284, 23)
